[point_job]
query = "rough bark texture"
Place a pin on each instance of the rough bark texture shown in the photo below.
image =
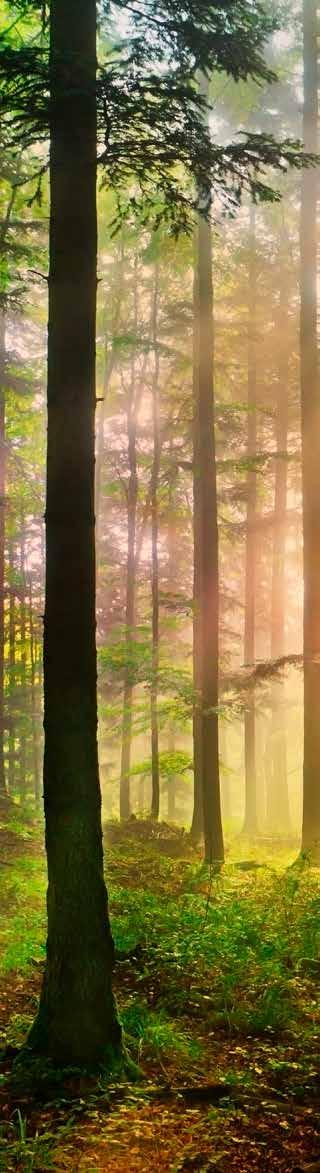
(77, 1021)
(278, 812)
(208, 549)
(155, 799)
(250, 817)
(310, 403)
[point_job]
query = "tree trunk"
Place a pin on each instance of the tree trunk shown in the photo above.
(132, 498)
(109, 365)
(225, 788)
(171, 780)
(250, 818)
(278, 812)
(155, 798)
(197, 819)
(3, 788)
(77, 1021)
(23, 670)
(34, 721)
(208, 551)
(12, 676)
(310, 407)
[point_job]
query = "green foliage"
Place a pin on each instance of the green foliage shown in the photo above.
(171, 764)
(154, 1031)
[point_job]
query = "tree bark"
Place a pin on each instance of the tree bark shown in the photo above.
(250, 817)
(77, 1021)
(155, 795)
(208, 551)
(310, 414)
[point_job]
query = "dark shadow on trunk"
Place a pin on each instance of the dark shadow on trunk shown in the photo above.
(77, 1022)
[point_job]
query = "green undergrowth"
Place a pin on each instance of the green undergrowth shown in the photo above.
(236, 949)
(22, 913)
(239, 950)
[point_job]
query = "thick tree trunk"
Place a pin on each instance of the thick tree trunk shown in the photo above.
(250, 817)
(278, 812)
(3, 788)
(310, 407)
(77, 1021)
(155, 798)
(132, 499)
(208, 552)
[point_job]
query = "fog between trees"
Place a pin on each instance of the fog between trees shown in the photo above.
(182, 497)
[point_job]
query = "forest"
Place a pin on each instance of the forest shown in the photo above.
(159, 586)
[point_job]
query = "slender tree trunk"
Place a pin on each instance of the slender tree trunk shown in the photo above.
(141, 794)
(310, 406)
(34, 722)
(23, 670)
(278, 812)
(132, 498)
(208, 551)
(250, 817)
(155, 799)
(77, 1021)
(109, 365)
(225, 787)
(197, 819)
(12, 676)
(171, 780)
(3, 788)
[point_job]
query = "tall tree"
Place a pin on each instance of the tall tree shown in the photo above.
(77, 1021)
(207, 547)
(131, 501)
(197, 817)
(310, 404)
(155, 771)
(250, 816)
(278, 813)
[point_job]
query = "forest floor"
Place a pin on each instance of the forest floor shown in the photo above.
(219, 1003)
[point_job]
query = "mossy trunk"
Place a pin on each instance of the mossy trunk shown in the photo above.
(77, 1021)
(310, 402)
